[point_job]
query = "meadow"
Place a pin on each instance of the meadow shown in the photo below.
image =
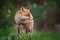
(38, 35)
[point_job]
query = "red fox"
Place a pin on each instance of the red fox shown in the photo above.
(24, 16)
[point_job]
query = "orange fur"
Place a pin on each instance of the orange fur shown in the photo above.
(25, 12)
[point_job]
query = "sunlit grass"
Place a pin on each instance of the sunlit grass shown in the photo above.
(48, 35)
(38, 35)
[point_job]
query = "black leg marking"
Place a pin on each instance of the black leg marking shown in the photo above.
(18, 30)
(26, 30)
(13, 37)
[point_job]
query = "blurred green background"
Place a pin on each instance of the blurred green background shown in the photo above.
(46, 14)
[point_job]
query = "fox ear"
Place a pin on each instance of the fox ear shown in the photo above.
(22, 9)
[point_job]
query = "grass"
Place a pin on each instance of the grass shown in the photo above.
(42, 35)
(48, 35)
(39, 35)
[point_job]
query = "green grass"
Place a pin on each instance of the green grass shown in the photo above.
(42, 35)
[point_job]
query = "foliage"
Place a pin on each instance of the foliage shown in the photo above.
(39, 35)
(42, 35)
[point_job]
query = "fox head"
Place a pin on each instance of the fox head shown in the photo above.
(25, 12)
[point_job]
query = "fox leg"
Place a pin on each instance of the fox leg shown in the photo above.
(30, 26)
